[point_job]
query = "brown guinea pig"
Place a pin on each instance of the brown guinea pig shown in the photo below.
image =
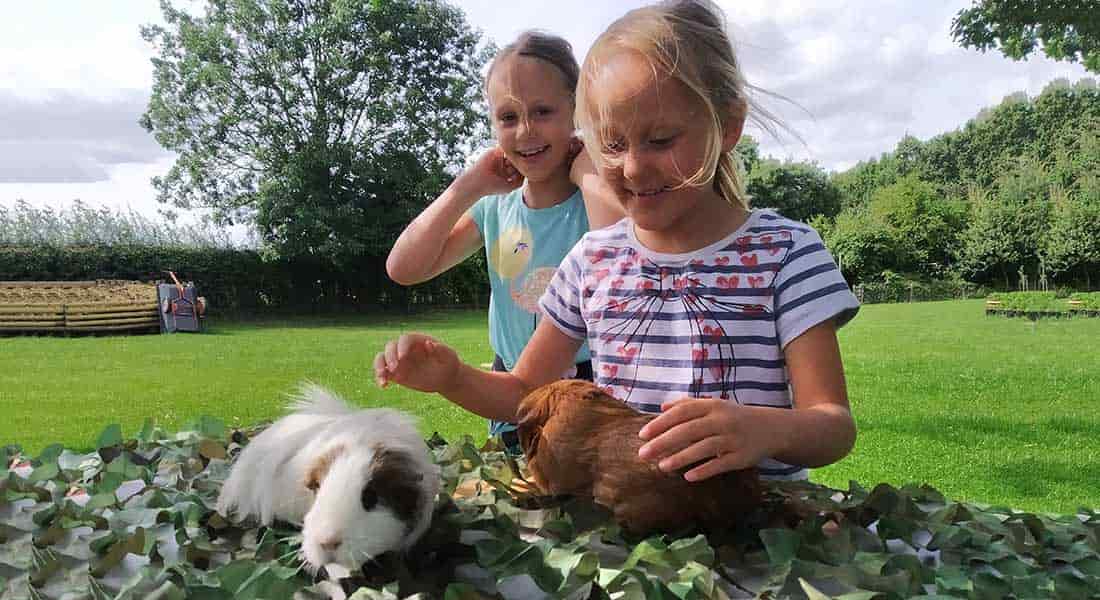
(581, 441)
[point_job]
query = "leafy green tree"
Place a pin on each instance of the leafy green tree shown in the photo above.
(1071, 246)
(749, 151)
(798, 190)
(862, 247)
(1007, 228)
(988, 247)
(923, 225)
(328, 123)
(1065, 29)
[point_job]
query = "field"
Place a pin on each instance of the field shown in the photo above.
(987, 409)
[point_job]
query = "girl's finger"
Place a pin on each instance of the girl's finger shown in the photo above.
(676, 438)
(575, 148)
(380, 369)
(716, 466)
(390, 352)
(407, 344)
(677, 412)
(704, 449)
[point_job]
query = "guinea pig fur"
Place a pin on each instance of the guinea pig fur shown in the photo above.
(581, 441)
(360, 482)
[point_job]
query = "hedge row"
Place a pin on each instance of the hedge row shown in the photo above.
(236, 280)
(900, 289)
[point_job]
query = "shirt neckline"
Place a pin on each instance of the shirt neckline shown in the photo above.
(668, 258)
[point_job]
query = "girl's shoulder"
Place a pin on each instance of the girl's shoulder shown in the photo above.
(499, 201)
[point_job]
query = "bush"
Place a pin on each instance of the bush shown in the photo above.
(235, 279)
(1088, 300)
(895, 287)
(1030, 301)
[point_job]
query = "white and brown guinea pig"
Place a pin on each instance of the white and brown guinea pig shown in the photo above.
(581, 441)
(360, 482)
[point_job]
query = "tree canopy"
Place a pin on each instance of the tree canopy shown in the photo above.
(328, 123)
(1065, 29)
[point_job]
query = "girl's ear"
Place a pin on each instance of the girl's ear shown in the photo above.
(735, 124)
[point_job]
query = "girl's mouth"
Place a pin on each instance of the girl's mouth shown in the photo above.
(533, 151)
(650, 193)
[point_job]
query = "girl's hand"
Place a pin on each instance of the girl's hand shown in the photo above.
(719, 435)
(416, 361)
(491, 173)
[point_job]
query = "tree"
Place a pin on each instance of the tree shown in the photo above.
(862, 247)
(798, 190)
(749, 150)
(1006, 229)
(923, 225)
(328, 123)
(1071, 246)
(1066, 29)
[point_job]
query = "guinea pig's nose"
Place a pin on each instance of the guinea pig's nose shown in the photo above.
(331, 545)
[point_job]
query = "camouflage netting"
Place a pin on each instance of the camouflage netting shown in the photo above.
(134, 520)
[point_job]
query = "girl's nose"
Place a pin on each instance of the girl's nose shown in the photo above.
(633, 167)
(523, 127)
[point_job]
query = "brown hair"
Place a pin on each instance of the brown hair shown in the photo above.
(543, 46)
(685, 40)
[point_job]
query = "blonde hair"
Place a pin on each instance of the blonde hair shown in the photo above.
(685, 40)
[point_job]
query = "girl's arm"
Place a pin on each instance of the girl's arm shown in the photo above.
(422, 363)
(818, 431)
(599, 200)
(444, 234)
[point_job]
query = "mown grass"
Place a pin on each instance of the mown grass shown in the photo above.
(987, 409)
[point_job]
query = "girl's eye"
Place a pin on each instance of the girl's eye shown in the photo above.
(659, 142)
(543, 111)
(507, 118)
(613, 147)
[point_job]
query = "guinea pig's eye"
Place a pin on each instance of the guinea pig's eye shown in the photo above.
(369, 498)
(313, 485)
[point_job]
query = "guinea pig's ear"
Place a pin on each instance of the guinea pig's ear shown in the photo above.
(395, 479)
(530, 418)
(318, 469)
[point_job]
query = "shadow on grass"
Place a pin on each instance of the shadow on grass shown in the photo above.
(349, 320)
(1036, 477)
(963, 429)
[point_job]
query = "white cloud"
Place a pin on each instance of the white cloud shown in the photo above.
(64, 136)
(74, 78)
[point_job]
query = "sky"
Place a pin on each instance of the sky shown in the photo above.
(850, 77)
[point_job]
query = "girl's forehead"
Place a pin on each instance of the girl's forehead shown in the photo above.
(517, 75)
(628, 87)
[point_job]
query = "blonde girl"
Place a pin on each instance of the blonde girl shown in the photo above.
(720, 317)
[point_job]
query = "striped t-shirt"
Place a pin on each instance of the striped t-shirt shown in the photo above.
(711, 323)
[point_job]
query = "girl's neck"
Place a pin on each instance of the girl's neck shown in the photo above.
(548, 192)
(713, 219)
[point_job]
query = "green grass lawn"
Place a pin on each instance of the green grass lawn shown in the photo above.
(987, 409)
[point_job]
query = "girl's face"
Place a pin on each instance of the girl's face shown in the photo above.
(655, 138)
(532, 115)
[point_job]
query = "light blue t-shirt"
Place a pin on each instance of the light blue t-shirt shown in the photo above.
(523, 248)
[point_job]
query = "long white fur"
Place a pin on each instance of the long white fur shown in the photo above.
(267, 481)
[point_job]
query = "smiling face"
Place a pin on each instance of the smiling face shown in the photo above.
(532, 116)
(654, 136)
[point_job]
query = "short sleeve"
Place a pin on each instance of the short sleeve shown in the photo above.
(809, 289)
(477, 213)
(561, 302)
